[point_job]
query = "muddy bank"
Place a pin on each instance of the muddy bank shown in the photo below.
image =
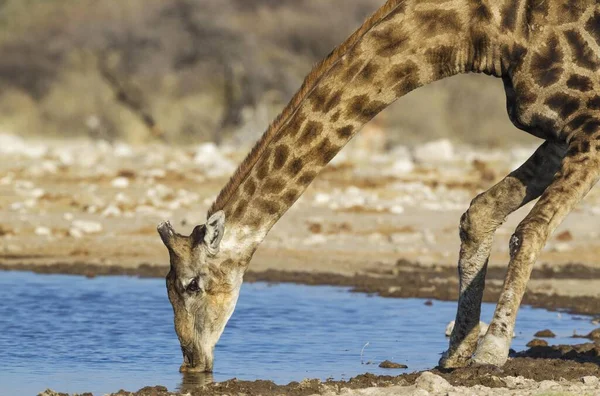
(404, 280)
(557, 363)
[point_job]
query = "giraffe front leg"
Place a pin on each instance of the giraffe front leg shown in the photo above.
(477, 227)
(579, 172)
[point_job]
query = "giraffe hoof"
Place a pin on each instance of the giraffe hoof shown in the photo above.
(452, 362)
(484, 358)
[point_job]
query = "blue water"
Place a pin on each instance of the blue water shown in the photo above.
(74, 334)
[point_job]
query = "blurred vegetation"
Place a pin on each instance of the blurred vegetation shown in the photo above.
(196, 70)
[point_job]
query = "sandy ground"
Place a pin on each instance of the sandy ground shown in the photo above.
(379, 222)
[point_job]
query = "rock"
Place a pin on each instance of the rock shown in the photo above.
(592, 335)
(536, 342)
(435, 152)
(429, 303)
(12, 144)
(75, 233)
(386, 364)
(43, 231)
(397, 209)
(87, 227)
(545, 334)
(564, 236)
(120, 182)
(400, 166)
(212, 161)
(590, 380)
(432, 383)
(111, 211)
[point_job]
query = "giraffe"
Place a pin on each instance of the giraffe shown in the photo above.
(547, 53)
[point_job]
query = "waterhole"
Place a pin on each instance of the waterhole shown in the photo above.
(74, 334)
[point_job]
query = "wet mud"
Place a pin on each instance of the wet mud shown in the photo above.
(553, 363)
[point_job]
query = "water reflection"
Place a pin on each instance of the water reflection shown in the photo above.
(192, 381)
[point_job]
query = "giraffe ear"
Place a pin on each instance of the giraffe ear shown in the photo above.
(215, 227)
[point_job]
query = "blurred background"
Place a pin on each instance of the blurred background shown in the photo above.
(187, 71)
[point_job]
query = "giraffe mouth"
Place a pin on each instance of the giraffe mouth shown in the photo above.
(195, 362)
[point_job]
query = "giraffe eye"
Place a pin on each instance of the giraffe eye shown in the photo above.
(193, 286)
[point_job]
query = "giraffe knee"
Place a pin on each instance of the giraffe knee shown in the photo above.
(476, 223)
(529, 237)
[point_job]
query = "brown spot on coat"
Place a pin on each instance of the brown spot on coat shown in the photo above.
(546, 65)
(273, 185)
(345, 132)
(307, 178)
(565, 105)
(351, 72)
(263, 168)
(310, 132)
(318, 98)
(295, 166)
(583, 55)
(325, 151)
(405, 77)
(332, 102)
(509, 15)
(249, 187)
(580, 83)
(281, 155)
(591, 127)
(290, 197)
(240, 208)
(363, 109)
(572, 10)
(480, 12)
(295, 124)
(535, 10)
(443, 60)
(335, 116)
(594, 103)
(390, 41)
(433, 23)
(593, 26)
(368, 72)
(267, 206)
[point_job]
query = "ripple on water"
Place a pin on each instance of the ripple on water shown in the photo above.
(75, 334)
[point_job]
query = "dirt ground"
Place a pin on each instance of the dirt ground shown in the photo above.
(378, 222)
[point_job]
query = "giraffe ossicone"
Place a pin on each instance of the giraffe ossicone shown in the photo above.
(548, 56)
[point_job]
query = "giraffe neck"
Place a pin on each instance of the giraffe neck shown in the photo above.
(404, 45)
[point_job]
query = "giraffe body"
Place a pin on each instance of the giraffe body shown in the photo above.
(548, 54)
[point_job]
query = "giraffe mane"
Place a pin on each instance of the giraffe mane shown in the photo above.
(310, 82)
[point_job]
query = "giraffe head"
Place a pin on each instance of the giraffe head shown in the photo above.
(203, 288)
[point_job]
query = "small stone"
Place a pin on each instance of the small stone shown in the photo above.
(435, 152)
(120, 182)
(386, 364)
(111, 211)
(536, 342)
(75, 233)
(545, 334)
(590, 380)
(432, 383)
(397, 209)
(564, 236)
(594, 334)
(87, 227)
(43, 231)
